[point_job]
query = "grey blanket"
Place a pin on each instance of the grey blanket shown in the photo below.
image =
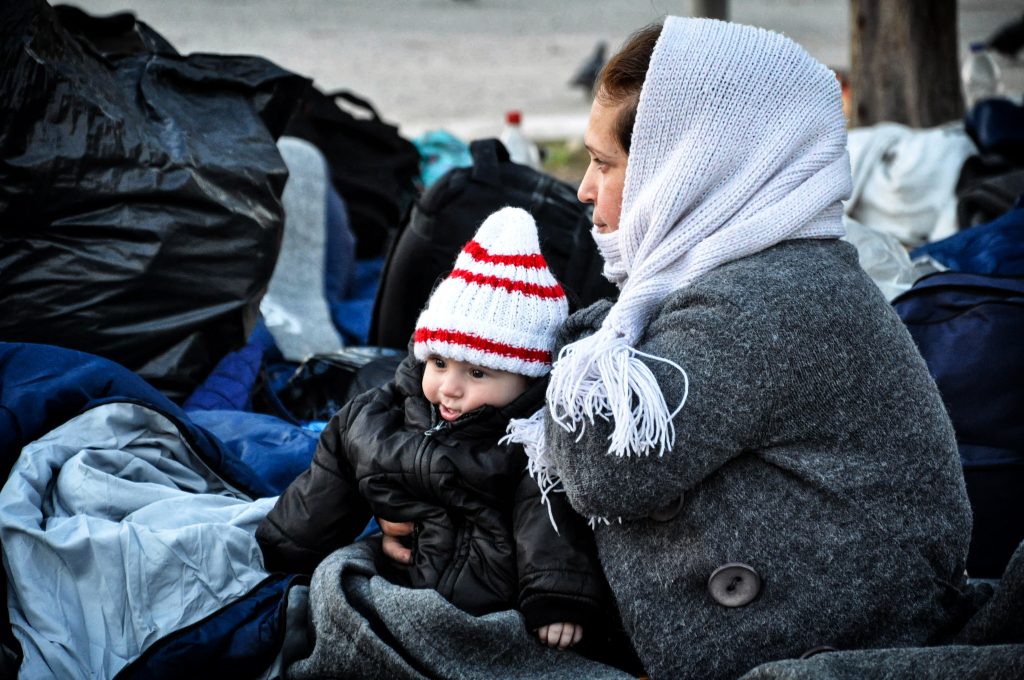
(366, 627)
(361, 626)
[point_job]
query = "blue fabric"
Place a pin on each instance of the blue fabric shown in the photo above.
(352, 319)
(42, 386)
(276, 450)
(970, 328)
(993, 248)
(352, 316)
(371, 528)
(440, 151)
(238, 641)
(340, 251)
(230, 384)
(276, 370)
(997, 127)
(262, 338)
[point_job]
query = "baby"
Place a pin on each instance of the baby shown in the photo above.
(425, 449)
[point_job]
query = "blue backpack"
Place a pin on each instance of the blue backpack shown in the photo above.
(970, 330)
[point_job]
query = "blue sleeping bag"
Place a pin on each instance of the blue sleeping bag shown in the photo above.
(41, 388)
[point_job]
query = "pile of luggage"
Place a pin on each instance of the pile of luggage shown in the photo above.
(213, 240)
(214, 237)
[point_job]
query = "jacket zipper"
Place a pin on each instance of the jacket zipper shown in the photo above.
(442, 426)
(446, 582)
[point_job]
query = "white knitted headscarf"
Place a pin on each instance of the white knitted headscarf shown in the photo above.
(739, 143)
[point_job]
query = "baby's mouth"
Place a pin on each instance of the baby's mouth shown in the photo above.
(448, 413)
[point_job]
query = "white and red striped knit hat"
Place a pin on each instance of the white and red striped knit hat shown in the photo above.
(500, 307)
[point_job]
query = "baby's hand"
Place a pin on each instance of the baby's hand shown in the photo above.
(561, 635)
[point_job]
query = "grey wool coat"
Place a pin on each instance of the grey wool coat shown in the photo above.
(814, 495)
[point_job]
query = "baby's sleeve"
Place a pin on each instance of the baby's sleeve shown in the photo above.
(560, 579)
(318, 513)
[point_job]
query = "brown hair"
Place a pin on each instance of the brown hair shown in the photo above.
(622, 77)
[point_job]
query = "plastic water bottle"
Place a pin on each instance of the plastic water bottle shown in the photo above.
(980, 76)
(520, 149)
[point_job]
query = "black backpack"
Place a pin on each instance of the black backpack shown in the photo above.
(449, 213)
(373, 168)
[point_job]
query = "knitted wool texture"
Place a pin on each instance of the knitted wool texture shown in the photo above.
(739, 144)
(500, 306)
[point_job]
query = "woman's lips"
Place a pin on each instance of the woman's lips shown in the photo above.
(447, 413)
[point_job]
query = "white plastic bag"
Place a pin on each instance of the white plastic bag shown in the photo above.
(885, 259)
(904, 180)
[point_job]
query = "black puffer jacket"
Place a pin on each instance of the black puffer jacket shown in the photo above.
(483, 539)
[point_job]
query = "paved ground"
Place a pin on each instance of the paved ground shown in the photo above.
(460, 64)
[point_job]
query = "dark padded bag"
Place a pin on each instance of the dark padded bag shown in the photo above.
(970, 330)
(323, 383)
(448, 215)
(373, 168)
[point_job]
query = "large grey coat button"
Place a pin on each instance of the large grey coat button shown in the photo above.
(668, 512)
(734, 585)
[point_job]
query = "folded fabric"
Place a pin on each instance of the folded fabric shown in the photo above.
(373, 629)
(115, 534)
(996, 248)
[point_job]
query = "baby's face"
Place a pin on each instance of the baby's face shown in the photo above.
(458, 387)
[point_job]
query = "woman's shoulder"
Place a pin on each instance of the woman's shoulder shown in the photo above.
(791, 274)
(794, 271)
(802, 261)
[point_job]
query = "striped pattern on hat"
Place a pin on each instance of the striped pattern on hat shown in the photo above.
(501, 306)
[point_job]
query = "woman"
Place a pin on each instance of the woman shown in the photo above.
(766, 459)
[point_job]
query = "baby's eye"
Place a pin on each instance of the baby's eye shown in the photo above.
(438, 363)
(477, 373)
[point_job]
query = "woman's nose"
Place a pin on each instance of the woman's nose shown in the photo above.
(587, 192)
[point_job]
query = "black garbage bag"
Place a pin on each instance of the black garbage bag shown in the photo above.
(140, 213)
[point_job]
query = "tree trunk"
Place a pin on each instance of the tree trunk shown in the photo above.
(712, 9)
(904, 62)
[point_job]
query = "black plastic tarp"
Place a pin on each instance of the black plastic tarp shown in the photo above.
(139, 191)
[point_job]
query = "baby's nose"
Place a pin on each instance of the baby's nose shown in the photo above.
(451, 387)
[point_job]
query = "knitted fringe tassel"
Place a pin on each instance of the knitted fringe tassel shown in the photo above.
(594, 521)
(602, 375)
(530, 433)
(599, 376)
